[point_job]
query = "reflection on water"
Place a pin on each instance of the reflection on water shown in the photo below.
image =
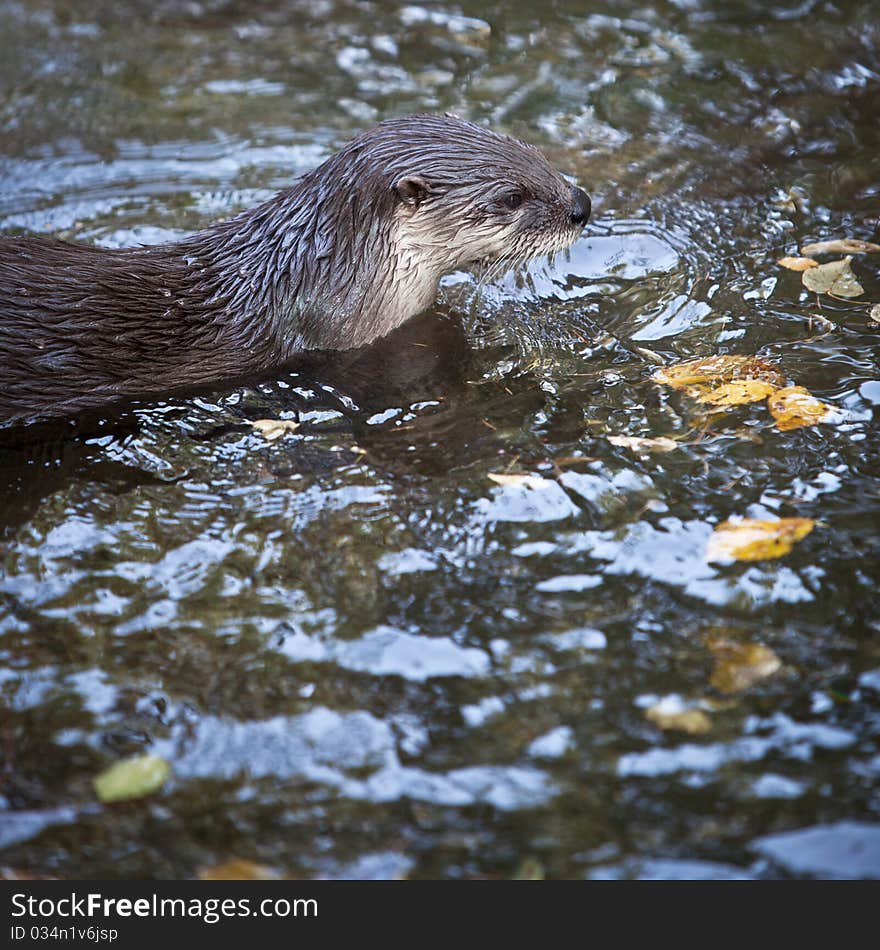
(361, 655)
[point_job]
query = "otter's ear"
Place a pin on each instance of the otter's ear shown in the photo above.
(412, 190)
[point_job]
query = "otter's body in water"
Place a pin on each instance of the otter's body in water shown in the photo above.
(347, 254)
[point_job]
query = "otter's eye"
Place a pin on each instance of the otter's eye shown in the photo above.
(513, 200)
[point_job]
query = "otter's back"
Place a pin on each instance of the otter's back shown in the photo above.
(81, 325)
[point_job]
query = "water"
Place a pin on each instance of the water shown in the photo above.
(361, 655)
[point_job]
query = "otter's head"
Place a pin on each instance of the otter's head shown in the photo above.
(417, 197)
(459, 193)
(466, 194)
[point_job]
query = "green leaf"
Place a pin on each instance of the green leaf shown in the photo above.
(132, 778)
(835, 278)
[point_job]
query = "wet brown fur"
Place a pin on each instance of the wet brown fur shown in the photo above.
(348, 253)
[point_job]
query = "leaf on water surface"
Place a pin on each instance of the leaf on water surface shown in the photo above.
(794, 407)
(723, 380)
(239, 869)
(636, 444)
(531, 869)
(132, 778)
(793, 201)
(740, 665)
(754, 540)
(715, 370)
(272, 429)
(738, 392)
(696, 372)
(875, 313)
(834, 278)
(672, 715)
(535, 482)
(17, 874)
(756, 368)
(797, 263)
(842, 246)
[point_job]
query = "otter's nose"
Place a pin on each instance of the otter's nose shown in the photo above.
(580, 206)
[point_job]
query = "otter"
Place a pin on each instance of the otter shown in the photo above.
(347, 254)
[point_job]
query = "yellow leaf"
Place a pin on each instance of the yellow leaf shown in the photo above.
(835, 278)
(753, 540)
(738, 392)
(795, 406)
(635, 444)
(692, 372)
(875, 313)
(535, 482)
(718, 369)
(756, 368)
(239, 869)
(843, 246)
(132, 778)
(740, 665)
(674, 715)
(530, 869)
(797, 263)
(272, 429)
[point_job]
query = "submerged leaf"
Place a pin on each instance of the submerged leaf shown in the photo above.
(530, 869)
(695, 372)
(724, 380)
(535, 482)
(843, 246)
(754, 540)
(738, 392)
(740, 665)
(715, 370)
(797, 263)
(17, 874)
(794, 407)
(636, 444)
(671, 713)
(132, 778)
(239, 869)
(272, 429)
(835, 278)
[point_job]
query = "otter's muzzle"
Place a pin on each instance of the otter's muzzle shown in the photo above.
(580, 206)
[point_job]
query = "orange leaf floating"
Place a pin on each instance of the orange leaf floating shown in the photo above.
(756, 368)
(754, 540)
(718, 369)
(797, 263)
(695, 372)
(738, 392)
(723, 380)
(794, 407)
(843, 246)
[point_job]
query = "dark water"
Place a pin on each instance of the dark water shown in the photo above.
(359, 654)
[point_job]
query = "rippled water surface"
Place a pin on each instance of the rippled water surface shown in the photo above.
(361, 655)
